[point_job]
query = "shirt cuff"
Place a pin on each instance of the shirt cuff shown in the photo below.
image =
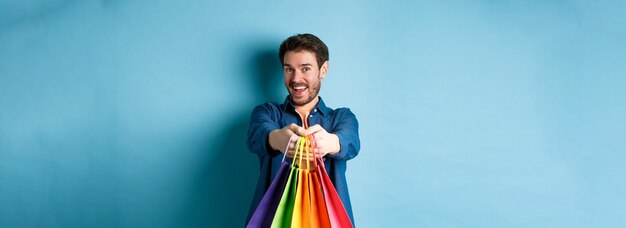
(345, 147)
(266, 143)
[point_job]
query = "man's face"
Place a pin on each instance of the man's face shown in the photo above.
(303, 76)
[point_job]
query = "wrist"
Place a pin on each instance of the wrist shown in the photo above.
(271, 139)
(337, 145)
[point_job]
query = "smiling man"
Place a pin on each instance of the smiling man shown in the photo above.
(305, 64)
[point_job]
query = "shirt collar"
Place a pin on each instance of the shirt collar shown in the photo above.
(320, 107)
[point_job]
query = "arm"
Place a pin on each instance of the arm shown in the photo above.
(265, 137)
(261, 124)
(343, 143)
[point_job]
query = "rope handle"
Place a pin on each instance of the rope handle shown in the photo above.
(303, 144)
(289, 144)
(317, 159)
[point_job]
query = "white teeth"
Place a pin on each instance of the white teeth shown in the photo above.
(299, 87)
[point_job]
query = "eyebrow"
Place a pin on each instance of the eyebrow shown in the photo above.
(306, 64)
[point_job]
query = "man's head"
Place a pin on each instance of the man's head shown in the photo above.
(305, 63)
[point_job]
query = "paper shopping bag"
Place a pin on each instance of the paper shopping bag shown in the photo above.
(264, 213)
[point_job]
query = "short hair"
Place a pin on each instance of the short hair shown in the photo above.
(307, 42)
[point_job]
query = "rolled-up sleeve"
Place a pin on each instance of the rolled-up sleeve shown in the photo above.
(346, 127)
(262, 122)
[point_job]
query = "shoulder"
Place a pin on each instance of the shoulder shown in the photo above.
(342, 112)
(342, 118)
(267, 106)
(267, 109)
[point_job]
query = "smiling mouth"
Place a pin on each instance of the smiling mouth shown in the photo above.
(299, 89)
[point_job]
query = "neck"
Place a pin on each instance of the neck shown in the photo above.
(305, 110)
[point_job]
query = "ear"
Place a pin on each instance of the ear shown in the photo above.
(324, 70)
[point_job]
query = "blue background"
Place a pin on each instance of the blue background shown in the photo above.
(473, 114)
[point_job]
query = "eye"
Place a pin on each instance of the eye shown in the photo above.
(305, 69)
(289, 70)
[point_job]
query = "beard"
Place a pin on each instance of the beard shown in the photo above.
(311, 89)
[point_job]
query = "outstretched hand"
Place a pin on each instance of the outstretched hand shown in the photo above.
(279, 138)
(325, 143)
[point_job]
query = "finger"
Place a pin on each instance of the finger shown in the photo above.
(320, 153)
(319, 139)
(307, 164)
(304, 156)
(289, 144)
(322, 150)
(299, 158)
(297, 129)
(290, 153)
(295, 153)
(293, 144)
(314, 129)
(291, 127)
(311, 158)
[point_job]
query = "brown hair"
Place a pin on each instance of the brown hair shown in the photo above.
(307, 42)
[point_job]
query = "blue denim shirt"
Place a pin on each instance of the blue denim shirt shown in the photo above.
(270, 116)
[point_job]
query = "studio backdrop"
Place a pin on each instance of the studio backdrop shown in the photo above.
(472, 113)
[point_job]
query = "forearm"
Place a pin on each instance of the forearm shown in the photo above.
(261, 124)
(258, 142)
(335, 146)
(349, 146)
(274, 140)
(347, 132)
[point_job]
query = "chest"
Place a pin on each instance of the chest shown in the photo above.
(313, 119)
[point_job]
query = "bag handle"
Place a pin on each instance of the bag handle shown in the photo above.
(288, 144)
(302, 146)
(314, 147)
(317, 159)
(298, 152)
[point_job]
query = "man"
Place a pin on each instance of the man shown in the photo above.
(305, 64)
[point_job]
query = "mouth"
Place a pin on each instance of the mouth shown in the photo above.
(299, 90)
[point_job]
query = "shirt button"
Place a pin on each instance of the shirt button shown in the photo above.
(314, 110)
(324, 159)
(310, 115)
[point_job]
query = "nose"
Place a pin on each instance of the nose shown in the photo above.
(298, 76)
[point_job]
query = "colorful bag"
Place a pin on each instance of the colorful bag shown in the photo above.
(319, 211)
(284, 212)
(336, 211)
(265, 211)
(264, 214)
(301, 195)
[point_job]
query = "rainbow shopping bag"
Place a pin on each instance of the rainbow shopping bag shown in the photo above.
(290, 209)
(310, 207)
(319, 213)
(265, 211)
(336, 211)
(301, 195)
(284, 212)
